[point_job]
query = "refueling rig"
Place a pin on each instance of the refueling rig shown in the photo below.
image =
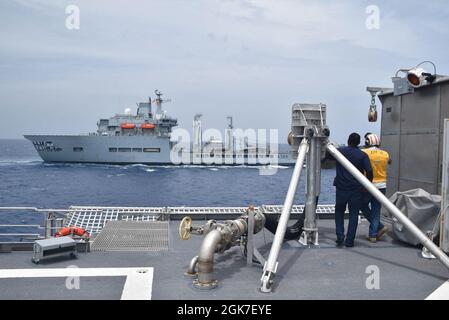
(309, 139)
(415, 116)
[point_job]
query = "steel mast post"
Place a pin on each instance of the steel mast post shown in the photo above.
(318, 150)
(423, 239)
(444, 233)
(272, 262)
(310, 230)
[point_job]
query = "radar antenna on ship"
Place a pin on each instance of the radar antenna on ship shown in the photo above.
(230, 125)
(159, 97)
(159, 102)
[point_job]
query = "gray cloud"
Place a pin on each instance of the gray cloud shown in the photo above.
(251, 59)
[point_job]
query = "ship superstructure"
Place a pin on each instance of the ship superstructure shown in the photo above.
(123, 138)
(144, 123)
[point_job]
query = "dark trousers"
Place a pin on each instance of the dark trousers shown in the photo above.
(352, 199)
(371, 210)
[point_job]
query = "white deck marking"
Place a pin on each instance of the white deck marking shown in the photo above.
(442, 293)
(138, 284)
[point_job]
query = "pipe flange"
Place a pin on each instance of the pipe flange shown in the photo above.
(205, 286)
(191, 275)
(310, 229)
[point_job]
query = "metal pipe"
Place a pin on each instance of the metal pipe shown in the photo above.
(206, 260)
(37, 226)
(318, 168)
(250, 241)
(271, 264)
(191, 270)
(60, 211)
(423, 239)
(310, 205)
(219, 237)
(48, 224)
(20, 235)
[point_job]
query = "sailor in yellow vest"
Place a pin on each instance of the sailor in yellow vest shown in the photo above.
(371, 206)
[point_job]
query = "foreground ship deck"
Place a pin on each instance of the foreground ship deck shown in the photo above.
(323, 272)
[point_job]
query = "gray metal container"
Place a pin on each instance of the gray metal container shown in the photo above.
(412, 133)
(53, 247)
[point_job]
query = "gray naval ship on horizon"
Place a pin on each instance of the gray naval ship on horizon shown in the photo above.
(145, 138)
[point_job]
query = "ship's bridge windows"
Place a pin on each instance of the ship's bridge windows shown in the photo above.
(124, 149)
(151, 149)
(112, 149)
(137, 150)
(78, 149)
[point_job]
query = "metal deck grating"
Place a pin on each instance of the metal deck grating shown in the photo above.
(93, 219)
(132, 236)
(321, 209)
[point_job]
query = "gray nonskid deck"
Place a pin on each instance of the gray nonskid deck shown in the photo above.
(323, 272)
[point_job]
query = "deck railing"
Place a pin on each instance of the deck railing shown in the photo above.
(52, 220)
(94, 218)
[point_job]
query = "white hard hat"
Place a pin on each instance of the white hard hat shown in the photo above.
(372, 140)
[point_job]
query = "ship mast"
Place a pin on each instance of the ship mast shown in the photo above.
(229, 139)
(159, 102)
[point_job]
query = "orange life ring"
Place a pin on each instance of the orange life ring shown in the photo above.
(72, 231)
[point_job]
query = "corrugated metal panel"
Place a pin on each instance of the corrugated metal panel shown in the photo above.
(390, 143)
(444, 114)
(406, 184)
(390, 138)
(391, 115)
(412, 132)
(418, 161)
(420, 111)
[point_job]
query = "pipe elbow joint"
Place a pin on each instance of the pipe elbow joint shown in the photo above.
(205, 265)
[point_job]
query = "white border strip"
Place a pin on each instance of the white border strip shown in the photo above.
(138, 284)
(442, 293)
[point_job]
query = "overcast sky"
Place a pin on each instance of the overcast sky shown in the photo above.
(247, 58)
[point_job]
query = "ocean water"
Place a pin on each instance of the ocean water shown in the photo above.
(27, 181)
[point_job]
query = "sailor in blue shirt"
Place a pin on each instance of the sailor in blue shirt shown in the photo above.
(349, 190)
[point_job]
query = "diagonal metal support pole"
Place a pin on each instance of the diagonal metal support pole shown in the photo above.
(270, 266)
(251, 250)
(423, 239)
